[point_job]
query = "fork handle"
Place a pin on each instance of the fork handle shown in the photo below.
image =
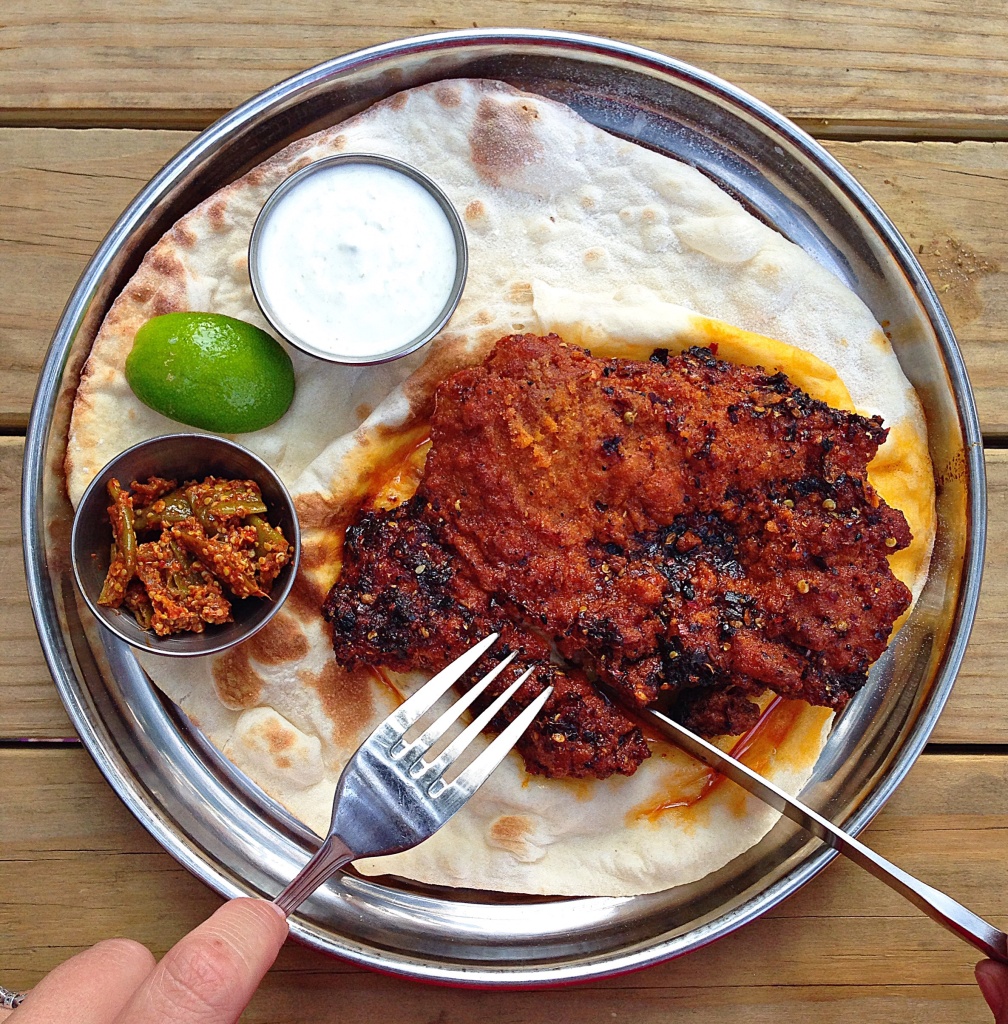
(329, 857)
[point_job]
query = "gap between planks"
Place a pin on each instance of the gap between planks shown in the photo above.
(822, 129)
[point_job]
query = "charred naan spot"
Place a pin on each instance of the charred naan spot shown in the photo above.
(363, 411)
(141, 292)
(588, 202)
(502, 140)
(282, 762)
(347, 700)
(448, 95)
(301, 161)
(483, 317)
(475, 211)
(238, 685)
(338, 144)
(165, 265)
(163, 303)
(217, 216)
(520, 291)
(278, 641)
(399, 101)
(315, 511)
(183, 237)
(306, 596)
(115, 316)
(298, 148)
(879, 340)
(593, 256)
(277, 737)
(511, 832)
(322, 552)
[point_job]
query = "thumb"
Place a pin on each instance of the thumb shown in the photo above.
(210, 975)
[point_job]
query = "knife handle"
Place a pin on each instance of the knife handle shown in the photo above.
(937, 905)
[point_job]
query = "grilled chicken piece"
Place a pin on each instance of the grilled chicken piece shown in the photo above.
(692, 531)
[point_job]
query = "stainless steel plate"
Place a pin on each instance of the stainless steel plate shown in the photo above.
(230, 834)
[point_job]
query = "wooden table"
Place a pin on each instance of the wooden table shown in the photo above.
(912, 95)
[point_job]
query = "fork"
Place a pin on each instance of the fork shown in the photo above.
(390, 797)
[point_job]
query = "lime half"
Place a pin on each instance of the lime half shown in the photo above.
(210, 371)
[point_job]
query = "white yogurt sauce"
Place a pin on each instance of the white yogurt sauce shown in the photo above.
(356, 260)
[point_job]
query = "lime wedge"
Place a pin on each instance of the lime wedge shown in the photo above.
(210, 371)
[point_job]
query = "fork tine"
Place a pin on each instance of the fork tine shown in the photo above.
(424, 742)
(458, 792)
(413, 708)
(457, 745)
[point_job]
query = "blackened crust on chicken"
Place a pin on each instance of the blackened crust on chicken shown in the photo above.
(686, 529)
(400, 603)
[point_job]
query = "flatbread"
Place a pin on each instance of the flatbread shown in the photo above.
(569, 229)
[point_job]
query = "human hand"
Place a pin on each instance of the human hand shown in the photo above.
(993, 981)
(208, 977)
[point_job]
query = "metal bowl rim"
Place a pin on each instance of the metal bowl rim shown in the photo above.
(222, 642)
(444, 204)
(216, 135)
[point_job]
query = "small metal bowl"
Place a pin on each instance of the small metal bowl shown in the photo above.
(454, 222)
(180, 457)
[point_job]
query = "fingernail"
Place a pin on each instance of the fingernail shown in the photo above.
(278, 909)
(987, 976)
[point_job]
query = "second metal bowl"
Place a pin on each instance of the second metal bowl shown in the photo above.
(180, 457)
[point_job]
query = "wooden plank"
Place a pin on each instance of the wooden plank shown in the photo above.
(976, 713)
(843, 948)
(948, 202)
(839, 66)
(65, 188)
(62, 192)
(29, 704)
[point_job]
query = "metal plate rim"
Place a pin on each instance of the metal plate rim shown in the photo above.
(43, 606)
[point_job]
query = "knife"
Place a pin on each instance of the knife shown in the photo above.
(937, 905)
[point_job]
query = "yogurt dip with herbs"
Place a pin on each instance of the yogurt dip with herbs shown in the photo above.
(355, 260)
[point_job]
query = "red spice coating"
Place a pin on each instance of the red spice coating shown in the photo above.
(690, 530)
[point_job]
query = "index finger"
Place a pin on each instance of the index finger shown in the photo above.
(210, 975)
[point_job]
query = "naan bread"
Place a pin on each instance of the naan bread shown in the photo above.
(570, 229)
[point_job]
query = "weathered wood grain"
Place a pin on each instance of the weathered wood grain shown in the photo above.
(976, 713)
(839, 66)
(62, 192)
(949, 201)
(75, 867)
(29, 704)
(63, 189)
